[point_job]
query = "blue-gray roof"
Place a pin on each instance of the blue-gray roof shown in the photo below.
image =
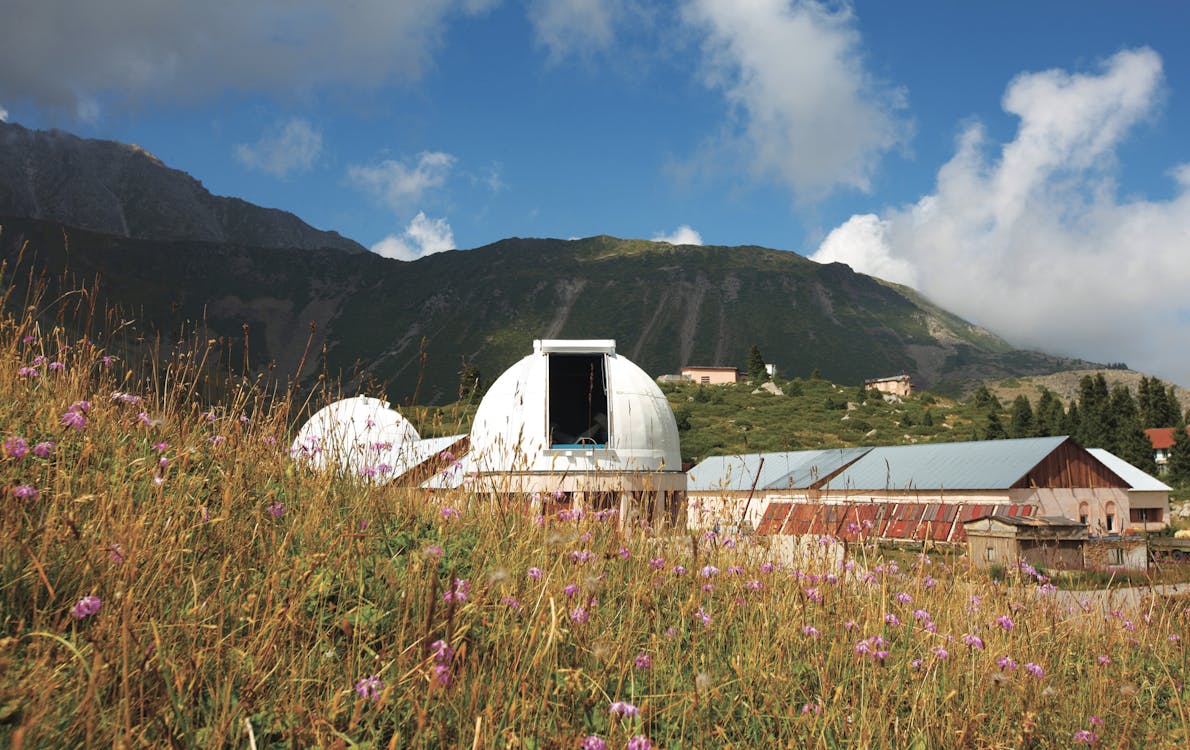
(770, 471)
(979, 465)
(1136, 478)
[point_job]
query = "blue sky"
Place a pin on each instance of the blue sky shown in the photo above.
(1019, 162)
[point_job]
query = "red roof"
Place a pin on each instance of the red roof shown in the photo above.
(1162, 437)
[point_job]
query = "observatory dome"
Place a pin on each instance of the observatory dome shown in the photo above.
(359, 435)
(575, 407)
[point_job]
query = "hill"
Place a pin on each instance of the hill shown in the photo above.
(123, 190)
(408, 326)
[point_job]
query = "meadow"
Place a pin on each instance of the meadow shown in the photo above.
(170, 577)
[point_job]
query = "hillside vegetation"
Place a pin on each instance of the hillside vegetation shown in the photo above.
(171, 578)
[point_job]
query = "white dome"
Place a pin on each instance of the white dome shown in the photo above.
(623, 426)
(360, 435)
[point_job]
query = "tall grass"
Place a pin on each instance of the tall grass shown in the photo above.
(240, 600)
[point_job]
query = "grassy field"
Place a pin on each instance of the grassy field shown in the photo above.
(169, 577)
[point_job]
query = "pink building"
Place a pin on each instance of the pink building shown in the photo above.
(711, 375)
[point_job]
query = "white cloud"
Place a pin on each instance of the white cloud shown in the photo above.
(424, 236)
(566, 27)
(683, 235)
(3, 114)
(1032, 239)
(810, 115)
(62, 52)
(398, 184)
(292, 147)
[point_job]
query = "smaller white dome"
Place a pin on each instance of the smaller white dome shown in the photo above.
(360, 435)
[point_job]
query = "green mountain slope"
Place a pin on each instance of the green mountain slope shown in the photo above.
(408, 326)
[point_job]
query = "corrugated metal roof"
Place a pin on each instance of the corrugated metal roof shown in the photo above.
(978, 465)
(785, 470)
(1136, 478)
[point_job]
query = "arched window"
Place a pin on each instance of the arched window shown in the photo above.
(1110, 520)
(1084, 512)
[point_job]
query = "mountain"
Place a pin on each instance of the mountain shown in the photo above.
(123, 190)
(408, 326)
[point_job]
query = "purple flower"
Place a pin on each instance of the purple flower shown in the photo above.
(814, 595)
(161, 447)
(579, 615)
(81, 406)
(276, 510)
(115, 553)
(973, 642)
(639, 742)
(593, 742)
(642, 661)
(369, 687)
(511, 602)
(1035, 670)
(441, 651)
(766, 567)
(16, 447)
(86, 607)
(904, 598)
(710, 571)
(754, 585)
(657, 563)
(44, 449)
(1103, 660)
(810, 631)
(75, 420)
(1005, 622)
(449, 513)
(458, 593)
(432, 551)
(570, 590)
(535, 573)
(679, 570)
(622, 709)
(27, 372)
(57, 367)
(892, 620)
(625, 554)
(216, 440)
(1006, 663)
(702, 616)
(941, 653)
(25, 492)
(1085, 737)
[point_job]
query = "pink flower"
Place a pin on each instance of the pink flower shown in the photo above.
(25, 492)
(702, 616)
(579, 615)
(679, 570)
(1035, 670)
(74, 420)
(754, 585)
(904, 598)
(459, 593)
(1085, 737)
(449, 513)
(622, 709)
(642, 661)
(369, 687)
(81, 406)
(1103, 660)
(86, 607)
(276, 510)
(161, 447)
(510, 602)
(710, 571)
(941, 653)
(1005, 622)
(432, 551)
(16, 447)
(27, 372)
(57, 367)
(973, 642)
(657, 563)
(593, 742)
(639, 742)
(44, 449)
(535, 573)
(625, 554)
(810, 631)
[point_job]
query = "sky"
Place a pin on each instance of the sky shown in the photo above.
(1024, 164)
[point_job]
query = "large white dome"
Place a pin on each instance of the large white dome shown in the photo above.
(360, 436)
(575, 407)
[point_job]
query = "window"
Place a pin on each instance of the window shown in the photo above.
(1144, 515)
(1082, 519)
(1115, 556)
(991, 552)
(578, 413)
(705, 380)
(1111, 522)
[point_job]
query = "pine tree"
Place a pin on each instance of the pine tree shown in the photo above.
(994, 429)
(756, 371)
(470, 382)
(1095, 428)
(1178, 465)
(1071, 421)
(1049, 414)
(1023, 424)
(927, 420)
(985, 399)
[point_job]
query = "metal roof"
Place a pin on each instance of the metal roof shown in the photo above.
(1136, 478)
(770, 471)
(978, 465)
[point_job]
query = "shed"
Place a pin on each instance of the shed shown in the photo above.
(1051, 542)
(1148, 496)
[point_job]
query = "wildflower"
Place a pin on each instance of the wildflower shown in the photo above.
(28, 339)
(1085, 737)
(449, 513)
(904, 598)
(269, 440)
(74, 420)
(581, 556)
(624, 553)
(106, 360)
(811, 708)
(1174, 638)
(579, 615)
(25, 492)
(276, 510)
(929, 582)
(367, 472)
(161, 447)
(593, 742)
(442, 675)
(115, 553)
(432, 551)
(941, 653)
(657, 563)
(16, 447)
(850, 625)
(710, 571)
(56, 367)
(1095, 721)
(27, 372)
(44, 449)
(1005, 622)
(86, 607)
(458, 593)
(81, 406)
(766, 567)
(570, 590)
(973, 603)
(1006, 663)
(679, 570)
(642, 661)
(441, 651)
(639, 742)
(973, 642)
(369, 687)
(216, 440)
(511, 602)
(916, 663)
(754, 585)
(535, 573)
(810, 631)
(702, 616)
(921, 614)
(1035, 670)
(893, 620)
(622, 709)
(814, 595)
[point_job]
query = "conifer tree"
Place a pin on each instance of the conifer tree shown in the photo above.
(1178, 465)
(1095, 428)
(1049, 414)
(756, 371)
(470, 381)
(985, 399)
(1023, 424)
(994, 429)
(927, 419)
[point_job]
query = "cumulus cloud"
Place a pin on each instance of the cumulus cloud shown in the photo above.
(683, 235)
(810, 115)
(293, 147)
(61, 54)
(566, 27)
(1033, 240)
(424, 236)
(399, 184)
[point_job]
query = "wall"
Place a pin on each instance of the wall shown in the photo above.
(1121, 554)
(713, 375)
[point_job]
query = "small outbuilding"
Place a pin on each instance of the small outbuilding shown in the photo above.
(574, 421)
(1050, 542)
